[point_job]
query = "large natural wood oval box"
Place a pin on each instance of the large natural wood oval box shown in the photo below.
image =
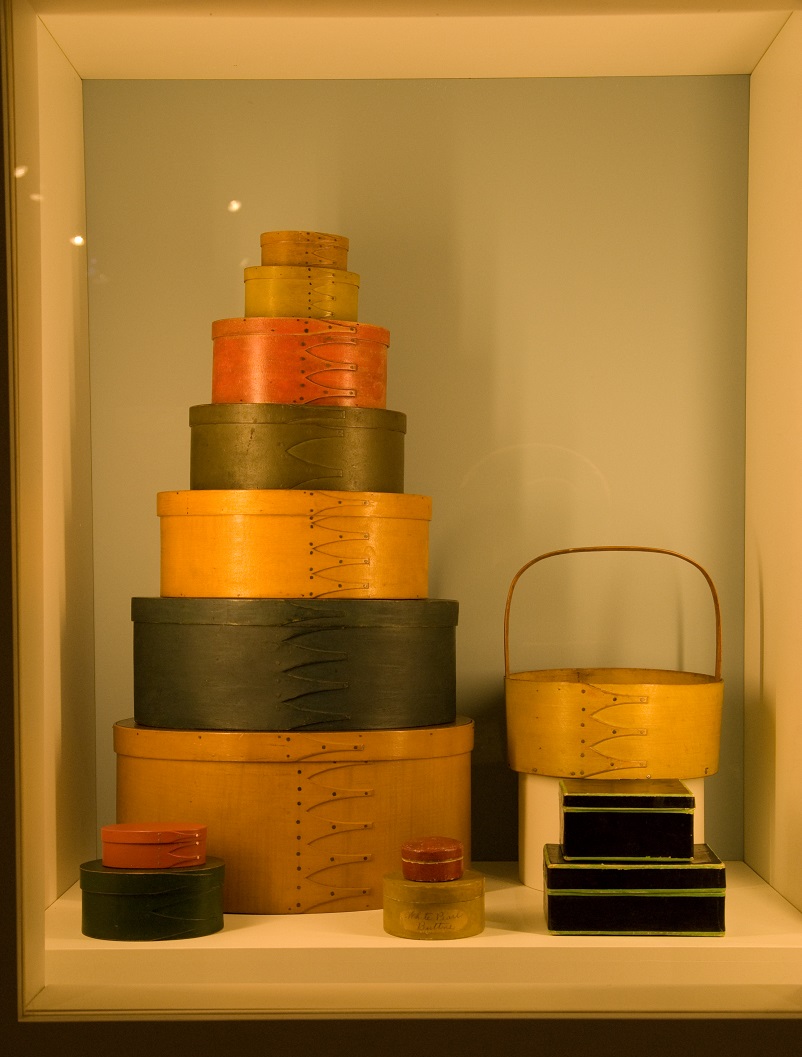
(304, 822)
(294, 544)
(279, 360)
(352, 449)
(286, 290)
(294, 664)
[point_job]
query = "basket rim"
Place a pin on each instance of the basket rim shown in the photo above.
(612, 676)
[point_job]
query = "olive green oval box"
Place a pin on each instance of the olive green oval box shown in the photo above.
(350, 449)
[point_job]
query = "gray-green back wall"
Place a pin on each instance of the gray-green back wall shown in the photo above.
(561, 266)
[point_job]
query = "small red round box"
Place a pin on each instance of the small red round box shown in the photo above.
(432, 859)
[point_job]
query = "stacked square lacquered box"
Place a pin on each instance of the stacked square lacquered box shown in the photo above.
(294, 686)
(627, 863)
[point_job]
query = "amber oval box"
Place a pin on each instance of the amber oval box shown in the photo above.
(305, 822)
(285, 664)
(293, 544)
(282, 446)
(304, 247)
(293, 360)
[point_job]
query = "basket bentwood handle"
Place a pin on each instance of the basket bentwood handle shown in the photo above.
(580, 550)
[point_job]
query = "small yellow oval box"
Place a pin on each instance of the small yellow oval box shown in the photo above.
(304, 247)
(288, 543)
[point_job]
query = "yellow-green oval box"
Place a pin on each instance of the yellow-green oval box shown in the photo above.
(434, 910)
(288, 290)
(288, 446)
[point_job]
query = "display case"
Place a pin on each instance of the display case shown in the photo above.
(581, 230)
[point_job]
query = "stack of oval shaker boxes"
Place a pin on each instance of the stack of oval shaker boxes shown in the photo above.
(295, 686)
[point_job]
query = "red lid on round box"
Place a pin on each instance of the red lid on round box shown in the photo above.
(153, 845)
(432, 859)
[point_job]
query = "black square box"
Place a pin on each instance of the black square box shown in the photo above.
(626, 819)
(634, 899)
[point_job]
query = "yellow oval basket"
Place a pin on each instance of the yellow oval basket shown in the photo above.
(613, 722)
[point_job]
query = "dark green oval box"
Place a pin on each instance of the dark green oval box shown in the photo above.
(174, 903)
(294, 664)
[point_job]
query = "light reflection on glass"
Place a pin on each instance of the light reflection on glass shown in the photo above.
(234, 206)
(20, 170)
(77, 240)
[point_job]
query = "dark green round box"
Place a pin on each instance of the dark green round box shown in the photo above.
(173, 903)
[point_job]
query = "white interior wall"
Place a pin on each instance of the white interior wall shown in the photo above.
(561, 264)
(52, 452)
(68, 668)
(774, 468)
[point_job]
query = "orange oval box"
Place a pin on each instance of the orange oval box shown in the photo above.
(276, 360)
(286, 290)
(306, 822)
(289, 543)
(153, 845)
(304, 247)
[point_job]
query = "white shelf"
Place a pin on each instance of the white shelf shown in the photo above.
(346, 963)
